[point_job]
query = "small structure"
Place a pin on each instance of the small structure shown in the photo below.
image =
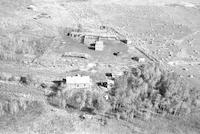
(110, 83)
(102, 27)
(109, 75)
(126, 41)
(78, 82)
(116, 53)
(32, 7)
(135, 58)
(142, 60)
(138, 59)
(99, 46)
(102, 84)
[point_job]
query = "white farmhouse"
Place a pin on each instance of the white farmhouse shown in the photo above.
(78, 82)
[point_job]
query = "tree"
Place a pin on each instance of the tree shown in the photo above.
(100, 104)
(77, 100)
(150, 88)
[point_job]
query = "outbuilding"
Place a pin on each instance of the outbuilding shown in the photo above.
(99, 46)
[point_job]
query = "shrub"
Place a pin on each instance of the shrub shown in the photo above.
(88, 101)
(100, 105)
(77, 100)
(26, 80)
(5, 76)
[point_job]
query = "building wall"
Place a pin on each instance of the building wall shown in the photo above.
(76, 37)
(107, 38)
(78, 85)
(90, 40)
(99, 46)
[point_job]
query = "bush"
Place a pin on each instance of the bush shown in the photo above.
(100, 105)
(77, 100)
(26, 80)
(88, 101)
(5, 76)
(15, 46)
